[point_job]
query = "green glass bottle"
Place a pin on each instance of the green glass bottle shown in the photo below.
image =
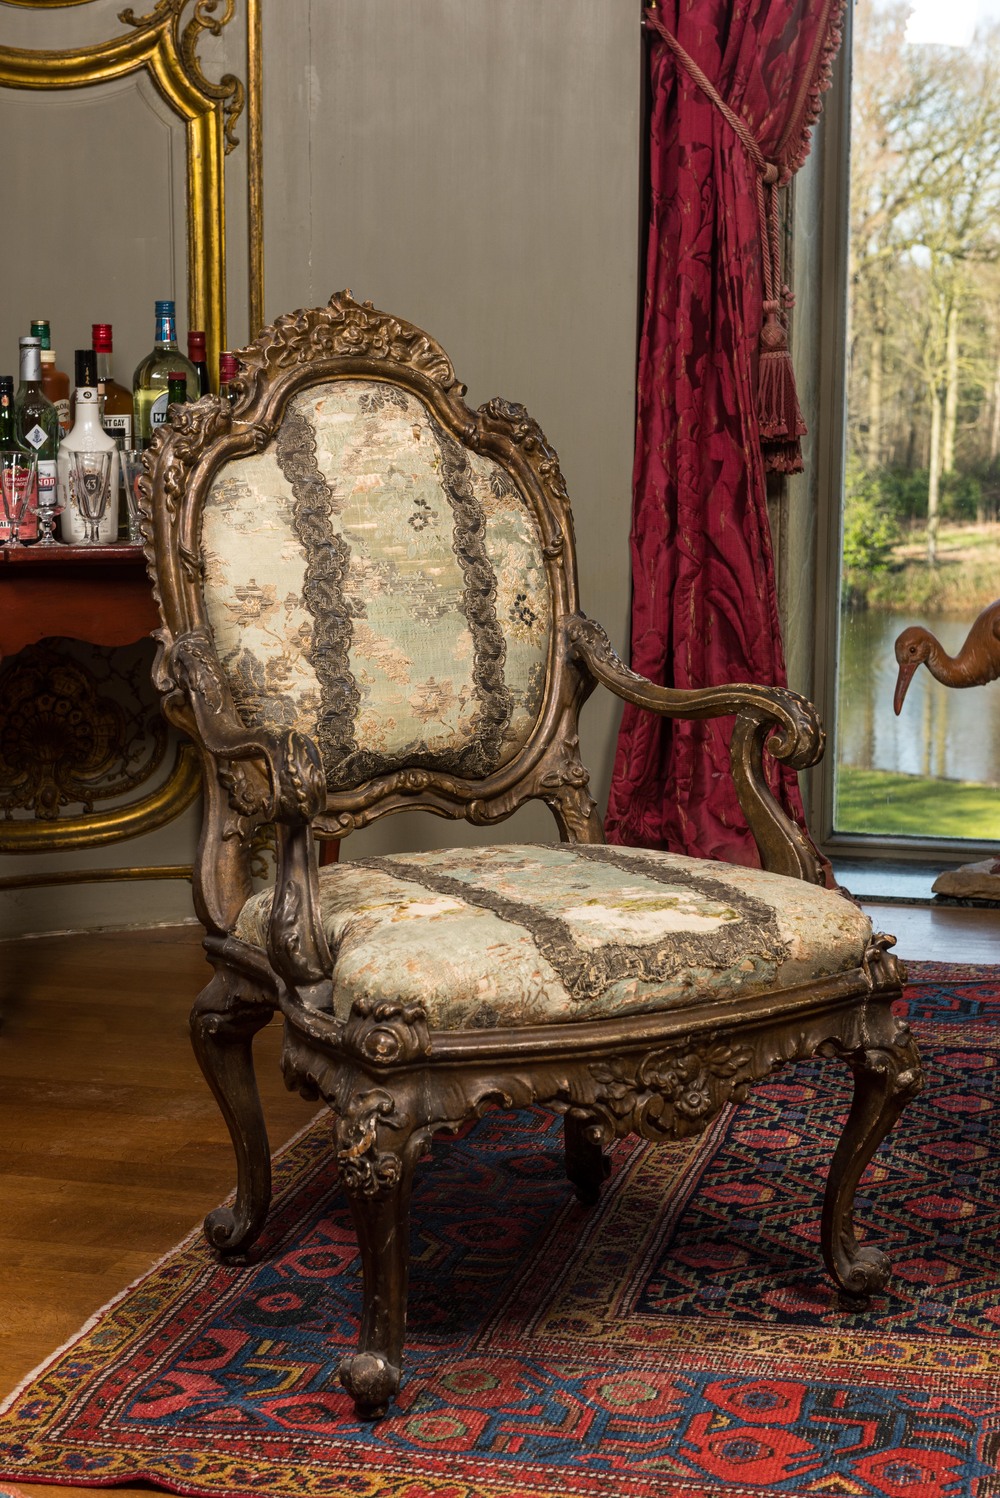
(177, 392)
(9, 441)
(149, 383)
(36, 418)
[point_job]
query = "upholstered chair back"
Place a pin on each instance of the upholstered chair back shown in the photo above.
(375, 584)
(361, 576)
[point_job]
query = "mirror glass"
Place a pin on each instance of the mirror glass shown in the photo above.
(94, 226)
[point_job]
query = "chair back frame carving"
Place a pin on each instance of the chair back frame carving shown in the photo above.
(349, 340)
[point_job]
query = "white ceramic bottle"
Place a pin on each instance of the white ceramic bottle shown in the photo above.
(87, 435)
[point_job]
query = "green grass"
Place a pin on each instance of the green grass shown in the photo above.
(910, 806)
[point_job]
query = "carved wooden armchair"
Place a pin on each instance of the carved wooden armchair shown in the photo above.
(369, 604)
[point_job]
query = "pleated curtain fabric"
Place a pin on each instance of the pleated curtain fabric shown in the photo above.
(704, 601)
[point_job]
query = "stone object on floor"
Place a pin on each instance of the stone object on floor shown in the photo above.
(972, 881)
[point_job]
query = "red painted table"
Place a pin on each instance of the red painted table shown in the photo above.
(96, 593)
(102, 595)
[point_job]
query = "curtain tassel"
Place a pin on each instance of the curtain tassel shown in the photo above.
(778, 410)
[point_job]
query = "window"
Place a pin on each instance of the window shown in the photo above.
(913, 540)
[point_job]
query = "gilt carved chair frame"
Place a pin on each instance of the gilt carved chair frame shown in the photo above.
(392, 1081)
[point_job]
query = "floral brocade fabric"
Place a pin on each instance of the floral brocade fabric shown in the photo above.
(524, 934)
(377, 586)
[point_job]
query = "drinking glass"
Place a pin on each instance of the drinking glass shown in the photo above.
(18, 475)
(131, 460)
(90, 487)
(47, 512)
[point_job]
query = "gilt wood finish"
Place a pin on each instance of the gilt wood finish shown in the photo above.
(392, 1081)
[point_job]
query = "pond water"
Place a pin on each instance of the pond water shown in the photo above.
(942, 732)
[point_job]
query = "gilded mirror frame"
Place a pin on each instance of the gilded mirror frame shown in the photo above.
(164, 44)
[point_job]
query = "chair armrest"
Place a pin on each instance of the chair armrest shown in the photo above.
(295, 793)
(291, 761)
(783, 722)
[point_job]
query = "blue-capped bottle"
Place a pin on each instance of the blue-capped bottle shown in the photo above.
(149, 383)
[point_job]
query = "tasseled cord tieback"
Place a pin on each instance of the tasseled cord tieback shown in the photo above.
(777, 401)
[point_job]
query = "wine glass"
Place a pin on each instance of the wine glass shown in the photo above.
(47, 509)
(18, 476)
(131, 461)
(90, 487)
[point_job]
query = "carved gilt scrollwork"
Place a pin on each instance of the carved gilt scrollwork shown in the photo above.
(343, 328)
(229, 91)
(526, 434)
(881, 968)
(671, 1093)
(365, 1169)
(387, 1033)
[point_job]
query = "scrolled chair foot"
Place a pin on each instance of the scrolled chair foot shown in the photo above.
(372, 1382)
(860, 1272)
(231, 1233)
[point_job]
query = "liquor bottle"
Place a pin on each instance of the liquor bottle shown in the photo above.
(116, 401)
(229, 368)
(196, 353)
(8, 431)
(36, 420)
(149, 383)
(87, 436)
(54, 382)
(176, 388)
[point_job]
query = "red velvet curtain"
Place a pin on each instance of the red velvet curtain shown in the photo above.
(704, 602)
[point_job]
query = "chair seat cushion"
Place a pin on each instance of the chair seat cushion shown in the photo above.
(525, 934)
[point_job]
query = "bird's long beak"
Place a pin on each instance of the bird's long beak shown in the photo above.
(906, 671)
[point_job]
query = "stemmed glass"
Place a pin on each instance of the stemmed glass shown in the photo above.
(47, 512)
(90, 487)
(131, 462)
(18, 476)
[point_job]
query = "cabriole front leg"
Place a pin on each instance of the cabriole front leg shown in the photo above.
(376, 1156)
(587, 1163)
(887, 1074)
(223, 1026)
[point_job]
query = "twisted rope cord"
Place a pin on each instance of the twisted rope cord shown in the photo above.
(770, 175)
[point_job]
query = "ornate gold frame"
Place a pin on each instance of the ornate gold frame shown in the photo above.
(165, 44)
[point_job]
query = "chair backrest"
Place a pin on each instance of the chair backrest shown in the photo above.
(378, 566)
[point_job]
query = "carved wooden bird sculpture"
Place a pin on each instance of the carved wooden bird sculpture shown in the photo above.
(976, 663)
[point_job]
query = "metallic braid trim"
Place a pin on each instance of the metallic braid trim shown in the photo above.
(585, 975)
(484, 752)
(327, 560)
(479, 607)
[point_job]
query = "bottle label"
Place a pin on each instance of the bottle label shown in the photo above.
(46, 482)
(37, 437)
(27, 500)
(119, 427)
(158, 410)
(62, 411)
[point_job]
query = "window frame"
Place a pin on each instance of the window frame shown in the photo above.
(808, 512)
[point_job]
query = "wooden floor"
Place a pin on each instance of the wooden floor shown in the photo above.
(112, 1146)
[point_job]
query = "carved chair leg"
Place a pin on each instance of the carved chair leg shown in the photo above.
(378, 1183)
(223, 1025)
(887, 1074)
(587, 1165)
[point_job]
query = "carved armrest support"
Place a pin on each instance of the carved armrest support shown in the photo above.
(290, 761)
(771, 718)
(289, 791)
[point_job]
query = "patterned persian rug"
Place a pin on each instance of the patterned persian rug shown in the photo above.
(680, 1339)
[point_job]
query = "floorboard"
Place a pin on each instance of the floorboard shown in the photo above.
(101, 1102)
